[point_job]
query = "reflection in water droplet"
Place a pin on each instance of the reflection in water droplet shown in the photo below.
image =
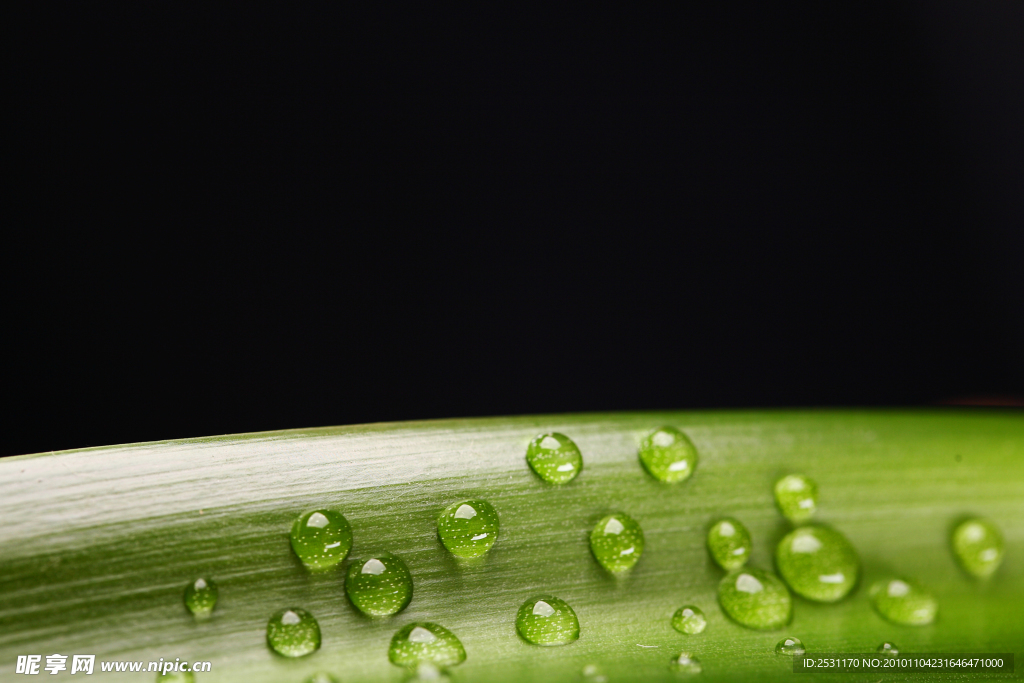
(617, 542)
(903, 602)
(797, 497)
(380, 586)
(790, 647)
(547, 620)
(554, 458)
(978, 546)
(729, 544)
(201, 597)
(321, 538)
(468, 529)
(818, 563)
(423, 642)
(888, 649)
(686, 664)
(668, 455)
(755, 598)
(689, 620)
(293, 632)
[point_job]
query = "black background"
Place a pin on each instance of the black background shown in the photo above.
(235, 221)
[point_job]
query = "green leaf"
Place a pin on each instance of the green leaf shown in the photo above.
(98, 545)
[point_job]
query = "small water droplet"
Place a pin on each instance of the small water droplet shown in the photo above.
(797, 497)
(592, 673)
(546, 620)
(791, 647)
(978, 545)
(888, 649)
(755, 598)
(617, 542)
(321, 538)
(729, 543)
(421, 642)
(201, 597)
(176, 677)
(689, 620)
(818, 563)
(668, 455)
(903, 602)
(686, 664)
(380, 586)
(469, 528)
(554, 458)
(293, 632)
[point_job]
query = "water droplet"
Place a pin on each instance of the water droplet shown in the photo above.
(293, 632)
(468, 529)
(903, 602)
(176, 677)
(668, 455)
(978, 545)
(421, 642)
(321, 538)
(554, 457)
(546, 620)
(617, 542)
(797, 497)
(790, 647)
(321, 677)
(379, 586)
(755, 598)
(888, 649)
(689, 620)
(818, 563)
(592, 673)
(685, 663)
(201, 597)
(729, 544)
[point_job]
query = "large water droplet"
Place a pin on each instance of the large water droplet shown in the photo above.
(790, 647)
(978, 545)
(689, 620)
(729, 543)
(321, 677)
(617, 542)
(755, 598)
(797, 497)
(668, 455)
(176, 677)
(546, 620)
(903, 602)
(818, 563)
(888, 649)
(293, 632)
(321, 538)
(201, 597)
(379, 586)
(468, 529)
(554, 457)
(686, 664)
(421, 642)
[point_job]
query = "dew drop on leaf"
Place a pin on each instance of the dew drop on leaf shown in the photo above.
(689, 620)
(903, 602)
(321, 538)
(888, 649)
(547, 620)
(729, 543)
(668, 455)
(685, 664)
(379, 586)
(617, 542)
(790, 647)
(755, 598)
(469, 528)
(201, 597)
(797, 497)
(293, 632)
(818, 563)
(554, 458)
(978, 546)
(424, 642)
